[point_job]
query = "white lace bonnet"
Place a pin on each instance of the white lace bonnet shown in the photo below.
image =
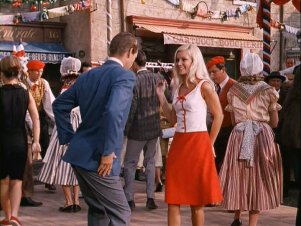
(70, 65)
(251, 64)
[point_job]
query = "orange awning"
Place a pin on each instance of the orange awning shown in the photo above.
(205, 37)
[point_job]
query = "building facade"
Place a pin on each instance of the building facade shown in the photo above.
(222, 27)
(126, 14)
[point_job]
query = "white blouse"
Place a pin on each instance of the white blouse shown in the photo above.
(191, 110)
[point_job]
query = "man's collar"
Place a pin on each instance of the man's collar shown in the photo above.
(142, 69)
(31, 83)
(116, 60)
(223, 83)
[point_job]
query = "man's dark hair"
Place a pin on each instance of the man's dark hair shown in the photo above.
(141, 58)
(122, 43)
(84, 64)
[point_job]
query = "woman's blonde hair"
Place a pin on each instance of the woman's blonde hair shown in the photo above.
(198, 68)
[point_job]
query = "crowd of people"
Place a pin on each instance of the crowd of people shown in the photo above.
(229, 144)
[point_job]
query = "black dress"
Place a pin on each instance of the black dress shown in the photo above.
(14, 101)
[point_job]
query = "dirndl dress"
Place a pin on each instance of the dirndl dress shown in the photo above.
(55, 170)
(251, 174)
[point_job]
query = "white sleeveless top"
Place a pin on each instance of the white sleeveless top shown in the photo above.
(191, 110)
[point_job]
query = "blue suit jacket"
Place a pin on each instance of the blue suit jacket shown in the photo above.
(104, 95)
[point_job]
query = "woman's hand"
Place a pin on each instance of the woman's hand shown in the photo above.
(35, 148)
(160, 89)
(213, 150)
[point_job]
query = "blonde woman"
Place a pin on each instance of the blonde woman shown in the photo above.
(191, 176)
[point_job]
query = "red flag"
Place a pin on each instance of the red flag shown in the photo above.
(297, 3)
(259, 19)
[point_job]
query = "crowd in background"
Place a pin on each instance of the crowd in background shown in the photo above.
(233, 144)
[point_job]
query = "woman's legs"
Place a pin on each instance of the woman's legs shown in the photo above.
(158, 175)
(253, 217)
(5, 202)
(67, 194)
(158, 182)
(197, 215)
(237, 221)
(15, 195)
(76, 194)
(237, 214)
(174, 217)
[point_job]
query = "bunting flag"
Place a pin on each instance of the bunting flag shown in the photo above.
(297, 4)
(174, 2)
(291, 30)
(201, 10)
(187, 7)
(31, 16)
(7, 19)
(57, 12)
(45, 14)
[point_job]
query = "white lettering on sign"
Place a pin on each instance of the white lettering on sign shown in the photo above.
(54, 35)
(54, 58)
(16, 34)
(212, 42)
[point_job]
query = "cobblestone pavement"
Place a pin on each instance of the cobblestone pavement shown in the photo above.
(48, 214)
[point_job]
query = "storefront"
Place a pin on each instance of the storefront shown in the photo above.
(161, 37)
(41, 41)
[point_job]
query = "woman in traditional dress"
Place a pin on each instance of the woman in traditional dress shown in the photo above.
(191, 176)
(251, 174)
(55, 170)
(15, 100)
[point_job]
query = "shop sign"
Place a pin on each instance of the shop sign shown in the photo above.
(45, 57)
(211, 42)
(30, 34)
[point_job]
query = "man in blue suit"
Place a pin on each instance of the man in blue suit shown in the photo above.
(104, 96)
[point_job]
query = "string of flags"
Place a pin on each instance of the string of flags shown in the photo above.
(45, 13)
(201, 10)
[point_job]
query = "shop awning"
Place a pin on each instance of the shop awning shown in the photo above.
(46, 52)
(205, 37)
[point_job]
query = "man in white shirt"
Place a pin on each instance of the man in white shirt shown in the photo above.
(43, 96)
(217, 71)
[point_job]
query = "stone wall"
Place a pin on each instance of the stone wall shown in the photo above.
(291, 17)
(91, 29)
(77, 34)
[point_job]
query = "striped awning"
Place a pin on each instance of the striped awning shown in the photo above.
(205, 37)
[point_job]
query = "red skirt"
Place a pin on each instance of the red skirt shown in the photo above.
(191, 176)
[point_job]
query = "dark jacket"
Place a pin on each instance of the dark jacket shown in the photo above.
(224, 102)
(288, 131)
(144, 119)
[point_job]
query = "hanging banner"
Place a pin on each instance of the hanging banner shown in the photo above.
(211, 42)
(53, 58)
